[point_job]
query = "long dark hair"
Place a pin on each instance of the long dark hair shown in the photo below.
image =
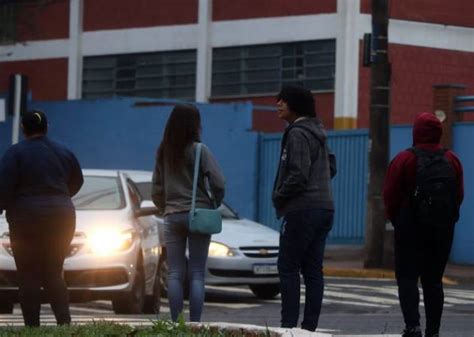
(182, 129)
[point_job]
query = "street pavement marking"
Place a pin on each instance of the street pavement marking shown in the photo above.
(465, 297)
(220, 304)
(232, 305)
(360, 304)
(452, 300)
(231, 289)
(384, 290)
(382, 295)
(462, 293)
(91, 310)
(355, 295)
(334, 301)
(371, 299)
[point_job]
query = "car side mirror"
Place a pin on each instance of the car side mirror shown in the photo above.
(147, 208)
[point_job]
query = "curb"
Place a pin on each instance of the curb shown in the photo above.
(358, 272)
(372, 273)
(255, 329)
(367, 335)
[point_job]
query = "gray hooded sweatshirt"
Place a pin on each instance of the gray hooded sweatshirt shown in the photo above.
(172, 190)
(306, 167)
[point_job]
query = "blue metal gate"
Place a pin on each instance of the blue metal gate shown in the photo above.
(349, 186)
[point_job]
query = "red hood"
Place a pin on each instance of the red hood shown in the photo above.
(427, 129)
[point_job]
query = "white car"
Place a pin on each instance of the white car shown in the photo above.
(244, 253)
(115, 250)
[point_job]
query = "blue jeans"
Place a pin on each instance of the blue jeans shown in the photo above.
(176, 236)
(302, 241)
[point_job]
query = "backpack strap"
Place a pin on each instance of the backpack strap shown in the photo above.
(420, 152)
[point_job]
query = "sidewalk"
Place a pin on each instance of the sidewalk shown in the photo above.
(254, 330)
(348, 261)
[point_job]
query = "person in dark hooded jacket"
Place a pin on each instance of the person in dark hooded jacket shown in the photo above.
(421, 251)
(302, 195)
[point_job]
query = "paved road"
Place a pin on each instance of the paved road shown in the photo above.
(351, 306)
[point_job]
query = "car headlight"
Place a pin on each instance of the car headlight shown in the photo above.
(109, 241)
(217, 249)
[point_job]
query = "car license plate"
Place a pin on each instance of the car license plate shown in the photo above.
(265, 269)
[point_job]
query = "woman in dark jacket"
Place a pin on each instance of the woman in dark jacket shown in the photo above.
(172, 194)
(38, 177)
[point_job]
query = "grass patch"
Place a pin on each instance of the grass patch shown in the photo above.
(98, 328)
(161, 328)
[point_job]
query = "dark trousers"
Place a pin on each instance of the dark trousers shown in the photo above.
(302, 241)
(40, 245)
(421, 253)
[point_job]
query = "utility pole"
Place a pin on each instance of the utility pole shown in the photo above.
(379, 134)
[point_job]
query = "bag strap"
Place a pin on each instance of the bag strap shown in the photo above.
(420, 152)
(197, 161)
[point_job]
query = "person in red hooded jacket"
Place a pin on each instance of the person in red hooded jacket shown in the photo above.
(421, 251)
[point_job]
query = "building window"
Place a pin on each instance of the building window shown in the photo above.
(264, 69)
(157, 75)
(7, 23)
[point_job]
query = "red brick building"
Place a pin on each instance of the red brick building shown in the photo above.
(223, 50)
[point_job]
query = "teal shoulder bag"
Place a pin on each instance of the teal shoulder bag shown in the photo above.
(203, 220)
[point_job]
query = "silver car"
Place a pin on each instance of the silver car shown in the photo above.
(114, 253)
(244, 253)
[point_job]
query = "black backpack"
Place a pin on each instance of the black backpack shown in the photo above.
(433, 200)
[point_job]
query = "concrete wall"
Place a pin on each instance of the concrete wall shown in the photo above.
(118, 134)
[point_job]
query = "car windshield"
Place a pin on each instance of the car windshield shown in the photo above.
(99, 193)
(145, 191)
(227, 212)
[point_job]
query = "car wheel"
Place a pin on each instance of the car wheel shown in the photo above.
(131, 302)
(153, 302)
(6, 307)
(265, 291)
(163, 276)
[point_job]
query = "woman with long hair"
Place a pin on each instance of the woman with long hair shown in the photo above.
(172, 194)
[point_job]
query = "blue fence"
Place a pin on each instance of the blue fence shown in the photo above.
(349, 185)
(463, 252)
(269, 156)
